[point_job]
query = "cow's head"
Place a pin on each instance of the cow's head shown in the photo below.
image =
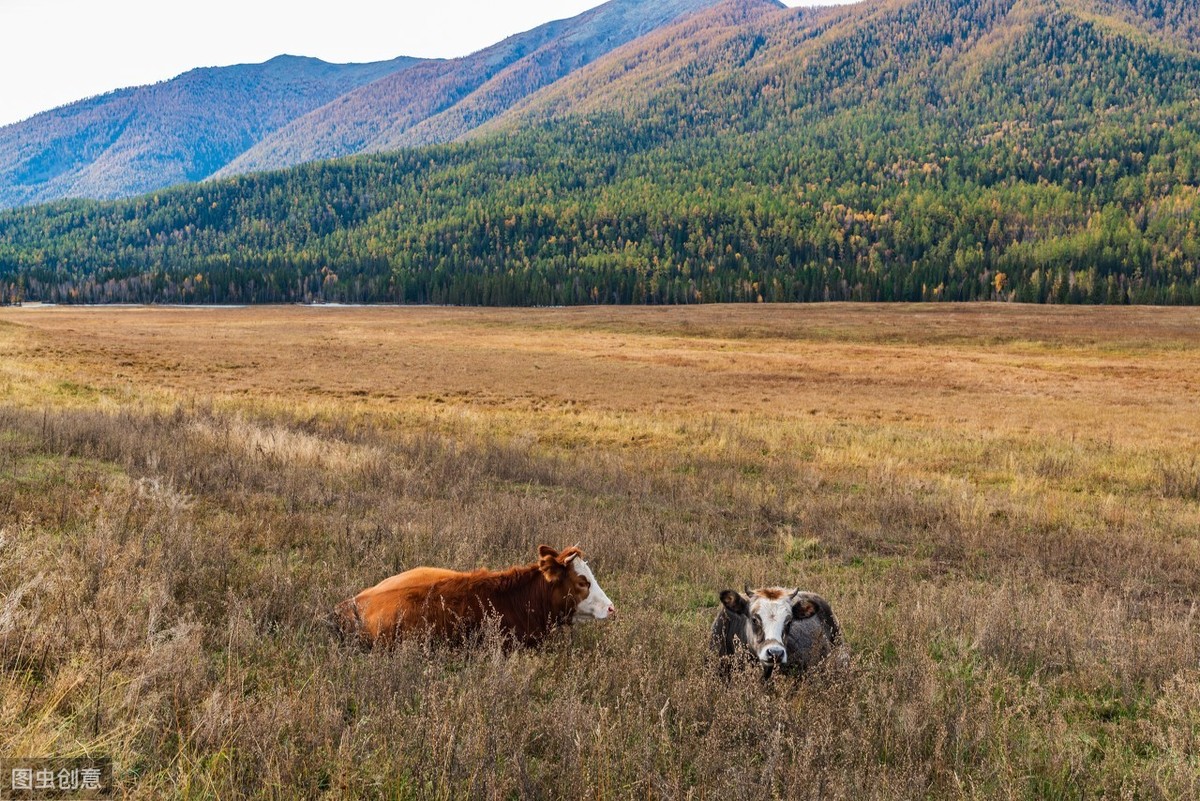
(569, 569)
(767, 613)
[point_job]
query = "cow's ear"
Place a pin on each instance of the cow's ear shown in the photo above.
(548, 562)
(734, 602)
(803, 609)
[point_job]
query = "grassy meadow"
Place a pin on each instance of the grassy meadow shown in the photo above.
(1002, 504)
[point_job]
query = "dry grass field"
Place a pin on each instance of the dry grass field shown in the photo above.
(1002, 503)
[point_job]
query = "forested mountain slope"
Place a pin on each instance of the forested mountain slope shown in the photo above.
(441, 101)
(718, 41)
(1174, 20)
(145, 138)
(1039, 150)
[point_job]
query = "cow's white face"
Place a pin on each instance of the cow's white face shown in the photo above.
(763, 616)
(770, 613)
(596, 605)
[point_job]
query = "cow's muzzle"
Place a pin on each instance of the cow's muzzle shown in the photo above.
(775, 655)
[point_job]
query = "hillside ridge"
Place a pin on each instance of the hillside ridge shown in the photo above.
(440, 103)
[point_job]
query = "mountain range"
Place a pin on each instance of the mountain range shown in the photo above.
(1034, 150)
(140, 139)
(230, 120)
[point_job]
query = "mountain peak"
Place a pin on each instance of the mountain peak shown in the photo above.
(147, 137)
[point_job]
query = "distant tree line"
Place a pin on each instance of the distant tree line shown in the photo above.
(12, 293)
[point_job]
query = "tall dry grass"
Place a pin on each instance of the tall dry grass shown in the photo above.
(163, 579)
(1020, 604)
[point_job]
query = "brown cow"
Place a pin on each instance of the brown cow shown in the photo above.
(528, 601)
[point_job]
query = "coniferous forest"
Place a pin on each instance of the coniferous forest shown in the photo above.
(1029, 150)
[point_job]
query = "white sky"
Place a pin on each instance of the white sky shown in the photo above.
(54, 52)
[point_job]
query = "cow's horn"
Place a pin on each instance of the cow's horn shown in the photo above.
(749, 592)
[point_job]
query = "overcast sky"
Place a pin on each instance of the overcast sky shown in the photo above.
(57, 51)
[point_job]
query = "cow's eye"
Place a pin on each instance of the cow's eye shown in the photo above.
(757, 623)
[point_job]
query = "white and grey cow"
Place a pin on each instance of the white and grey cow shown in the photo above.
(781, 627)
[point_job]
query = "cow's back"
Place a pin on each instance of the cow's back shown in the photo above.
(811, 639)
(725, 639)
(375, 613)
(808, 641)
